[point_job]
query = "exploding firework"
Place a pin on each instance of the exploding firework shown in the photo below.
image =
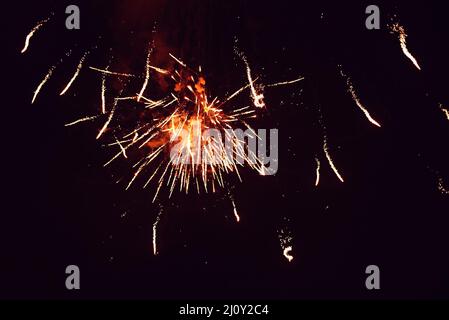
(171, 145)
(175, 147)
(180, 125)
(171, 142)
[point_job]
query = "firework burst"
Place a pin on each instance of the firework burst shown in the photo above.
(180, 124)
(172, 145)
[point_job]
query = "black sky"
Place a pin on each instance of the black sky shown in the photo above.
(62, 207)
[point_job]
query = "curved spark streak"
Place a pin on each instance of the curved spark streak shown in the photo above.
(400, 31)
(78, 69)
(318, 166)
(444, 110)
(329, 159)
(81, 120)
(39, 88)
(32, 32)
(285, 237)
(258, 98)
(287, 253)
(356, 99)
(147, 75)
(111, 115)
(237, 217)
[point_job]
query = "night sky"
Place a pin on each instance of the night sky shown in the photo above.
(61, 207)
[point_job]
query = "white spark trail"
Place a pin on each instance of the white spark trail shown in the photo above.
(111, 73)
(147, 75)
(103, 94)
(400, 31)
(257, 97)
(236, 93)
(81, 120)
(329, 159)
(237, 217)
(43, 82)
(318, 166)
(356, 99)
(178, 61)
(32, 32)
(156, 223)
(160, 70)
(285, 82)
(78, 69)
(111, 115)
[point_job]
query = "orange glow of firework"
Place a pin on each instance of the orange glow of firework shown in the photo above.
(181, 126)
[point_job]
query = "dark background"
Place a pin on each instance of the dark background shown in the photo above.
(62, 207)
